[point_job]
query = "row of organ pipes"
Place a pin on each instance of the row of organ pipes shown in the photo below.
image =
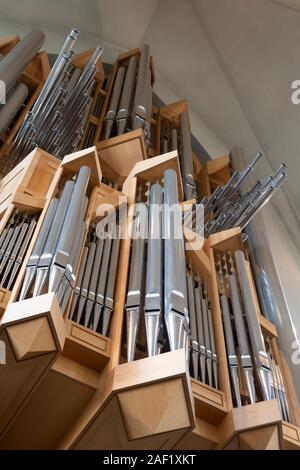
(58, 117)
(12, 66)
(130, 104)
(63, 248)
(172, 300)
(164, 291)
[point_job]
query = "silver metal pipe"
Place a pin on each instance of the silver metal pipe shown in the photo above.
(165, 145)
(67, 283)
(48, 253)
(269, 268)
(139, 113)
(21, 253)
(13, 64)
(258, 345)
(213, 349)
(114, 101)
(12, 106)
(74, 314)
(58, 64)
(187, 157)
(38, 249)
(242, 337)
(174, 139)
(208, 351)
(153, 297)
(57, 120)
(68, 231)
(93, 282)
(110, 286)
(148, 122)
(231, 352)
(135, 284)
(176, 310)
(126, 97)
(85, 284)
(23, 227)
(200, 331)
(193, 325)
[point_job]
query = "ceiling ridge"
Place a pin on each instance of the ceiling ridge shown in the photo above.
(178, 96)
(247, 115)
(150, 21)
(286, 4)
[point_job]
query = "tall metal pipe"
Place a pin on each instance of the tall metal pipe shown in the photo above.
(153, 297)
(139, 114)
(13, 64)
(187, 157)
(176, 309)
(12, 106)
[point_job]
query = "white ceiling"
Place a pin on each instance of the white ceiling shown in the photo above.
(233, 60)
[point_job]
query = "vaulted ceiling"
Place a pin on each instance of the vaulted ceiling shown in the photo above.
(234, 61)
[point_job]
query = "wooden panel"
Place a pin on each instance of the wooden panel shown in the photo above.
(29, 354)
(108, 432)
(37, 182)
(93, 428)
(17, 381)
(126, 55)
(203, 184)
(265, 438)
(228, 240)
(291, 436)
(4, 298)
(172, 112)
(199, 260)
(52, 409)
(8, 43)
(217, 164)
(150, 369)
(249, 417)
(153, 169)
(210, 404)
(149, 410)
(224, 381)
(116, 428)
(204, 436)
(28, 183)
(45, 305)
(86, 346)
(39, 68)
(103, 202)
(81, 59)
(120, 154)
(129, 189)
(197, 164)
(215, 172)
(268, 328)
(73, 162)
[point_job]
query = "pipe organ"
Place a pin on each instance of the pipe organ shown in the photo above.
(126, 279)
